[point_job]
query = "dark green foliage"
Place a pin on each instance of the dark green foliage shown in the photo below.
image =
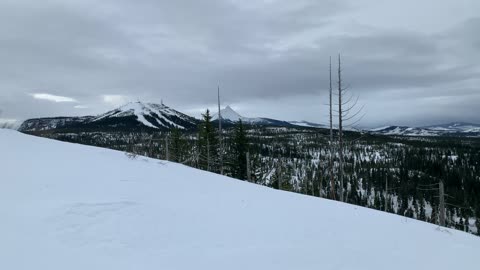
(178, 146)
(240, 149)
(207, 144)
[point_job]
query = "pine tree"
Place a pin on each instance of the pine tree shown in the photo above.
(177, 146)
(240, 148)
(207, 143)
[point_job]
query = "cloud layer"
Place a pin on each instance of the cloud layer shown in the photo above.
(410, 62)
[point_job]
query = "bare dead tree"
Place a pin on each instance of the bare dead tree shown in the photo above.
(332, 181)
(220, 140)
(348, 112)
(208, 154)
(167, 152)
(249, 174)
(441, 204)
(386, 191)
(340, 128)
(278, 172)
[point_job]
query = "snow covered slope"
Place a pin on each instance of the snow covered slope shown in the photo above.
(68, 206)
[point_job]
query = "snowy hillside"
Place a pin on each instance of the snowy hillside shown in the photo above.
(68, 206)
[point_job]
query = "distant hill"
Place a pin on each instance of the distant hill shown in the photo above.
(450, 129)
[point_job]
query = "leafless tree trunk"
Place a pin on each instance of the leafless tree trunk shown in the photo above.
(441, 205)
(347, 113)
(340, 128)
(208, 154)
(332, 181)
(279, 173)
(249, 177)
(386, 191)
(167, 152)
(220, 138)
(320, 181)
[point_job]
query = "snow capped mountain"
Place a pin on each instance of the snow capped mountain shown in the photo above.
(450, 129)
(132, 116)
(231, 116)
(228, 114)
(76, 207)
(157, 116)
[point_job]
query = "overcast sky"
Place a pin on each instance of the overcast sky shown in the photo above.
(411, 62)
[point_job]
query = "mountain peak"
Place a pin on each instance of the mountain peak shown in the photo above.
(228, 114)
(152, 115)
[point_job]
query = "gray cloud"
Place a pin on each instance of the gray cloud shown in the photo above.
(270, 57)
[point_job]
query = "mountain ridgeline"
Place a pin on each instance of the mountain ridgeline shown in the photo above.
(456, 129)
(135, 116)
(138, 116)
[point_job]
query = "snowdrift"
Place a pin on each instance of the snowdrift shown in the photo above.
(67, 206)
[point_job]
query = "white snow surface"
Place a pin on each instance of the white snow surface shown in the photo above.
(68, 206)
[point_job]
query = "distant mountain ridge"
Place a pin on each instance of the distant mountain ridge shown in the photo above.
(137, 116)
(49, 123)
(449, 129)
(307, 124)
